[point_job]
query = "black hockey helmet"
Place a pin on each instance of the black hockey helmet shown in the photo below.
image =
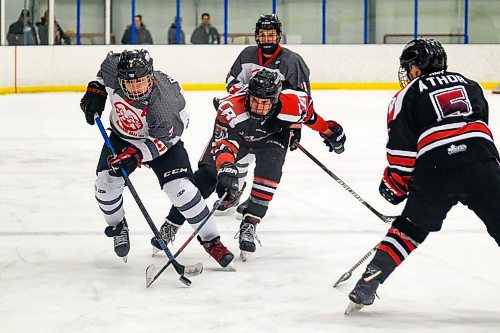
(135, 67)
(427, 54)
(268, 22)
(265, 85)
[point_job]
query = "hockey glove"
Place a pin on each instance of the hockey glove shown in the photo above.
(93, 101)
(295, 135)
(335, 141)
(393, 187)
(227, 177)
(129, 160)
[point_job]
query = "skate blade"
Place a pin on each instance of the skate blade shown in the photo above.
(229, 211)
(244, 255)
(154, 251)
(229, 268)
(125, 259)
(352, 308)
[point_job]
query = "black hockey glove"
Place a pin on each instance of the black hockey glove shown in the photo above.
(295, 135)
(335, 141)
(393, 187)
(129, 160)
(93, 101)
(227, 177)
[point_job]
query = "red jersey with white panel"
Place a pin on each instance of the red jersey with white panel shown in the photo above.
(234, 125)
(437, 120)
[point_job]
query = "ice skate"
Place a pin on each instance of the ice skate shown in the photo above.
(120, 238)
(247, 236)
(365, 290)
(167, 233)
(218, 251)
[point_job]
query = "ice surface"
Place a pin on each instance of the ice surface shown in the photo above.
(58, 272)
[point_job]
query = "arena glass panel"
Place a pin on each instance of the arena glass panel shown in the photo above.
(484, 21)
(393, 21)
(345, 21)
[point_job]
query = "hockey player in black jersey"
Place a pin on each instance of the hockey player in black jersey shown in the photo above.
(440, 152)
(269, 54)
(148, 116)
(257, 120)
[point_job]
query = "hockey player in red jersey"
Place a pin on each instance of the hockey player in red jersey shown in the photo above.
(267, 53)
(257, 120)
(440, 152)
(147, 119)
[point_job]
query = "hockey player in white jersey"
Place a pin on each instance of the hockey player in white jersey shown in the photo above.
(148, 116)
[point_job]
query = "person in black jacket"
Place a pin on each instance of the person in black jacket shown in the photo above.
(205, 33)
(440, 152)
(142, 35)
(172, 31)
(22, 32)
(60, 37)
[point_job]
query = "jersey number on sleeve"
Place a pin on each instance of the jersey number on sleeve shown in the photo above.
(451, 102)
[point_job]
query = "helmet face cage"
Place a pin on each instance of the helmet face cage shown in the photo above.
(263, 30)
(263, 94)
(135, 74)
(427, 54)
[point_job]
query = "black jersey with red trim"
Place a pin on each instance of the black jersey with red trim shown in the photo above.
(234, 124)
(438, 120)
(290, 66)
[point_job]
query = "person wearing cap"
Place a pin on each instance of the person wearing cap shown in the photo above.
(22, 32)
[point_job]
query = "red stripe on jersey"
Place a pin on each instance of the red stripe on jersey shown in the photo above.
(261, 195)
(390, 252)
(404, 161)
(319, 125)
(402, 237)
(267, 182)
(269, 60)
(228, 144)
(475, 127)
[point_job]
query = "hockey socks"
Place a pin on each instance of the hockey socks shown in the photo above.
(392, 251)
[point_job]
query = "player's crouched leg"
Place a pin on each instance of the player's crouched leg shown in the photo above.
(188, 200)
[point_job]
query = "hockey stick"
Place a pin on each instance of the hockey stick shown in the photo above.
(384, 218)
(348, 274)
(191, 270)
(150, 279)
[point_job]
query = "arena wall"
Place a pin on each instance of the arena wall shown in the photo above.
(203, 67)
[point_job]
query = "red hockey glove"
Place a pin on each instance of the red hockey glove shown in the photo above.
(335, 141)
(93, 101)
(129, 160)
(393, 187)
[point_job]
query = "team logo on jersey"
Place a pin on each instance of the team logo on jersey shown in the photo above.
(456, 149)
(128, 120)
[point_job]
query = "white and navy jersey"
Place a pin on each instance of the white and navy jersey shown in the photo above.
(153, 125)
(290, 66)
(438, 120)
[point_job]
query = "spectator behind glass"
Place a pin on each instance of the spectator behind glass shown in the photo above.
(173, 30)
(142, 35)
(43, 31)
(205, 33)
(22, 32)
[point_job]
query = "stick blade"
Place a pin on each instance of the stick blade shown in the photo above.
(150, 274)
(193, 270)
(185, 280)
(343, 278)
